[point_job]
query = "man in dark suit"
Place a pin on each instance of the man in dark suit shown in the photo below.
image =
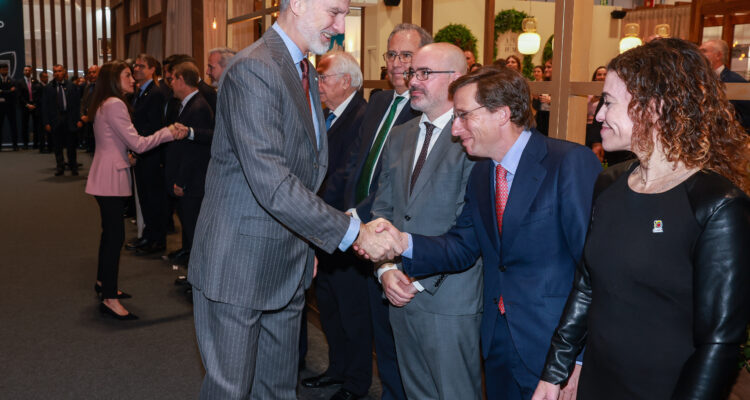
(341, 288)
(148, 106)
(717, 52)
(29, 96)
(186, 161)
(386, 109)
(61, 118)
(88, 91)
(43, 141)
(8, 103)
(527, 210)
(252, 257)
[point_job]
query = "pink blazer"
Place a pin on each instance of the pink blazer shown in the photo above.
(109, 174)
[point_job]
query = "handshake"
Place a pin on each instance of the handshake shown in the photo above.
(179, 131)
(379, 240)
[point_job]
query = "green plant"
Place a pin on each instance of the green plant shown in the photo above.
(547, 52)
(512, 20)
(459, 35)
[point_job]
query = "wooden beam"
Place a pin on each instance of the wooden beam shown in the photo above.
(64, 28)
(377, 84)
(253, 15)
(427, 15)
(105, 31)
(84, 34)
(738, 91)
(489, 32)
(406, 11)
(198, 37)
(94, 44)
(54, 32)
(155, 19)
(43, 31)
(362, 42)
(74, 34)
(724, 8)
(33, 38)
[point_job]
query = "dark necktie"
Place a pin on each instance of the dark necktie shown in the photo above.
(501, 199)
(60, 97)
(329, 120)
(363, 183)
(305, 66)
(422, 155)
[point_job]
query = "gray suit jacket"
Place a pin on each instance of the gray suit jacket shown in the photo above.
(260, 213)
(432, 209)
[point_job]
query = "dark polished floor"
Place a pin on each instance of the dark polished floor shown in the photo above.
(53, 342)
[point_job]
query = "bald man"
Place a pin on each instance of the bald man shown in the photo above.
(717, 52)
(435, 320)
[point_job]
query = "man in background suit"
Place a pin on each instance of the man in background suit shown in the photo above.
(186, 161)
(341, 288)
(527, 211)
(421, 189)
(87, 131)
(717, 52)
(29, 96)
(386, 109)
(61, 116)
(8, 101)
(218, 59)
(148, 105)
(251, 258)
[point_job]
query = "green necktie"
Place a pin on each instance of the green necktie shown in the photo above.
(365, 178)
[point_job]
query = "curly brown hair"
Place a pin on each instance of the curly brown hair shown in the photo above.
(695, 123)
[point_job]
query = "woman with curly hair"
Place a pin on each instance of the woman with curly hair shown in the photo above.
(661, 299)
(513, 62)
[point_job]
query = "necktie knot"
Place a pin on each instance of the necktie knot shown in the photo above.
(329, 120)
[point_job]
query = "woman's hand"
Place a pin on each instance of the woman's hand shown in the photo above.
(546, 391)
(178, 133)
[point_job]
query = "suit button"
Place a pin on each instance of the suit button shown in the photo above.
(502, 268)
(494, 300)
(315, 165)
(406, 217)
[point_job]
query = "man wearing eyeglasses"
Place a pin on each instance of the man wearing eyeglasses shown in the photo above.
(435, 320)
(385, 110)
(528, 203)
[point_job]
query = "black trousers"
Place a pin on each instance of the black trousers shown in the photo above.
(8, 109)
(188, 209)
(152, 194)
(113, 235)
(62, 137)
(36, 119)
(341, 290)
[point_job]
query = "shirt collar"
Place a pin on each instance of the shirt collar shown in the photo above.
(340, 109)
(188, 97)
(719, 70)
(513, 156)
(294, 51)
(439, 122)
(405, 95)
(145, 85)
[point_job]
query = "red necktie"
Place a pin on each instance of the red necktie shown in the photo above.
(305, 66)
(28, 83)
(501, 199)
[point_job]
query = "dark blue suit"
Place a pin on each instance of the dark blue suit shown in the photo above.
(62, 123)
(531, 265)
(377, 108)
(741, 107)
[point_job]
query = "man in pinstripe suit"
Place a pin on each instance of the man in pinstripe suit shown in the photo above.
(251, 258)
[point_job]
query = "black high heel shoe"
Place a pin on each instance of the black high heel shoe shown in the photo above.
(108, 311)
(121, 295)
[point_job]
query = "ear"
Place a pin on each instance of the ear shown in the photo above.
(503, 115)
(347, 81)
(298, 7)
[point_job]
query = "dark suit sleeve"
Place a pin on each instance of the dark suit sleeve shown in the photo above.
(257, 134)
(454, 251)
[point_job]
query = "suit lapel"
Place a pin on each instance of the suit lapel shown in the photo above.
(526, 183)
(291, 80)
(434, 158)
(486, 201)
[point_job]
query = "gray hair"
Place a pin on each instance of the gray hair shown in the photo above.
(226, 54)
(283, 4)
(345, 63)
(424, 37)
(722, 47)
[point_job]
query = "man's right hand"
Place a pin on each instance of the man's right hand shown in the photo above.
(397, 287)
(379, 240)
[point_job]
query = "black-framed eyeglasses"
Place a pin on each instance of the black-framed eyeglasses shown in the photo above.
(323, 77)
(422, 74)
(404, 56)
(462, 115)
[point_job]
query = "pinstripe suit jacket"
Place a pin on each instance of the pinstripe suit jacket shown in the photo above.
(260, 213)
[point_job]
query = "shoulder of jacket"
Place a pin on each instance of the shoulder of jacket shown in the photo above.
(708, 192)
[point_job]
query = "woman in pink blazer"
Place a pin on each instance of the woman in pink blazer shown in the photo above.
(109, 175)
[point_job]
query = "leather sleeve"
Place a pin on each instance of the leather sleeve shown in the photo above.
(721, 304)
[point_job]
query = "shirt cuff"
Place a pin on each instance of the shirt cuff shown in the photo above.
(408, 252)
(353, 212)
(384, 268)
(351, 234)
(579, 362)
(191, 134)
(418, 286)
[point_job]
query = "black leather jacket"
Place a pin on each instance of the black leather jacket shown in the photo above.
(721, 276)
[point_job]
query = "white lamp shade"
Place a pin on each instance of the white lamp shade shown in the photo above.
(528, 42)
(629, 42)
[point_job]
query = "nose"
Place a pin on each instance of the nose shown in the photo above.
(339, 23)
(601, 114)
